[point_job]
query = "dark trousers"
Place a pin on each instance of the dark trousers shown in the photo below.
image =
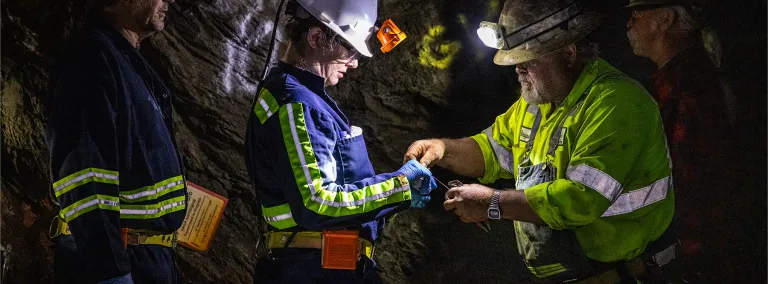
(302, 266)
(150, 264)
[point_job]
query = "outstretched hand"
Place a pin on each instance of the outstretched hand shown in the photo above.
(426, 152)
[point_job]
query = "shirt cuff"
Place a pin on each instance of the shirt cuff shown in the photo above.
(491, 172)
(538, 199)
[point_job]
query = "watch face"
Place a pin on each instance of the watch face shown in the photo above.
(494, 214)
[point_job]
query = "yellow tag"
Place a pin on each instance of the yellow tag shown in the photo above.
(64, 228)
(204, 211)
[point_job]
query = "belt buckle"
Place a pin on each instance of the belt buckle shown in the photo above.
(134, 238)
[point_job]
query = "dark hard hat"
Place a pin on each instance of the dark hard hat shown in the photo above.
(659, 3)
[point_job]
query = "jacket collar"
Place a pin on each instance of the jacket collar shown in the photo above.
(312, 81)
(693, 54)
(98, 22)
(591, 72)
(141, 66)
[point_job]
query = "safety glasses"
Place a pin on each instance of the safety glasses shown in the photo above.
(352, 53)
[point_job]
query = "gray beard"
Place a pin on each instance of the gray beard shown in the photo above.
(532, 97)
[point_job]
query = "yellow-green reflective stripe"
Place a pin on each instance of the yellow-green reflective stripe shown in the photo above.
(547, 270)
(310, 182)
(265, 106)
(153, 210)
(88, 204)
(153, 191)
(279, 216)
(82, 177)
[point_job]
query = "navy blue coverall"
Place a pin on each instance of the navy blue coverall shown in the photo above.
(114, 162)
(311, 170)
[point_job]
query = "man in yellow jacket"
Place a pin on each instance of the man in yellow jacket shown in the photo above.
(585, 143)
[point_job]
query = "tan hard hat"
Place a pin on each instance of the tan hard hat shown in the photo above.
(519, 14)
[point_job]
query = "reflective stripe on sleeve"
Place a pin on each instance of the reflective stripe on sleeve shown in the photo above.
(83, 177)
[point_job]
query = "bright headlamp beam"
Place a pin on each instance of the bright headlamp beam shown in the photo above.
(490, 35)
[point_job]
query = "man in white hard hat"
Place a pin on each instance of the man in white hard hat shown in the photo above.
(324, 205)
(594, 199)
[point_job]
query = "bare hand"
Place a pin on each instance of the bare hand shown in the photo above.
(470, 202)
(427, 152)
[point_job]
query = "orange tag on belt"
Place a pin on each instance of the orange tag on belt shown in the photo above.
(124, 236)
(341, 249)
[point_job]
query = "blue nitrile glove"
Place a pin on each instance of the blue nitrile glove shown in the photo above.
(125, 279)
(418, 200)
(416, 173)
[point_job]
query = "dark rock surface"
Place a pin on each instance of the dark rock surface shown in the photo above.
(440, 82)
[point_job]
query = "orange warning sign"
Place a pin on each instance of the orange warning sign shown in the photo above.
(204, 211)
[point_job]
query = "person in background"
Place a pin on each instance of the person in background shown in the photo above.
(114, 163)
(700, 121)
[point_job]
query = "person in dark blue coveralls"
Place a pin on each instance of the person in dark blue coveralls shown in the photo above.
(309, 165)
(114, 163)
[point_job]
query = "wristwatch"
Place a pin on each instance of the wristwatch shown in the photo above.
(494, 213)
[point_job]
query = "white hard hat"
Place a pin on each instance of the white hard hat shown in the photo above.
(353, 20)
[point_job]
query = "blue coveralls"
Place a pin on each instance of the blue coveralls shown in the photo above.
(311, 171)
(113, 159)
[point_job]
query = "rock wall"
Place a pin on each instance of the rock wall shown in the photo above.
(440, 82)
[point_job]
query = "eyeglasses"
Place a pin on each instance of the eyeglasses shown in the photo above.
(352, 53)
(528, 64)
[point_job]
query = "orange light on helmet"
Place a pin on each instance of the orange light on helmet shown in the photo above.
(389, 35)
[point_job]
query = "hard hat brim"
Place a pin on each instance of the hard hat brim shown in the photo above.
(578, 27)
(360, 44)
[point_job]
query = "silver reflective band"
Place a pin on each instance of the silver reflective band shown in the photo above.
(665, 256)
(264, 105)
(490, 34)
(89, 204)
(503, 155)
(279, 217)
(595, 179)
(152, 191)
(639, 198)
(84, 176)
(152, 211)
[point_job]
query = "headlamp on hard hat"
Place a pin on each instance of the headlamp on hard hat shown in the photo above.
(390, 35)
(491, 35)
(494, 36)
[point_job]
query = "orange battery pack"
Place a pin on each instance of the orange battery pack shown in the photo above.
(341, 249)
